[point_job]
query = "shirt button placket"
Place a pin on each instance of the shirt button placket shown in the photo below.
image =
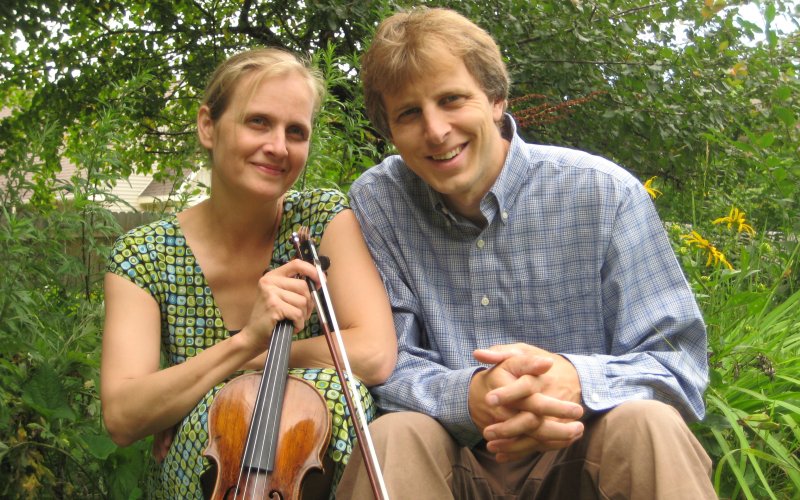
(480, 244)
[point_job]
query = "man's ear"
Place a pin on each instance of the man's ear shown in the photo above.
(498, 109)
(205, 127)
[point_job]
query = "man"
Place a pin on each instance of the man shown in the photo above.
(549, 343)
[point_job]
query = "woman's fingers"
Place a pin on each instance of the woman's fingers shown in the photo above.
(283, 294)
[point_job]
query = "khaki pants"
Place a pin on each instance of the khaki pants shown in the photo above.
(639, 450)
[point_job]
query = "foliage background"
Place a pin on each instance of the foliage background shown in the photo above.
(695, 93)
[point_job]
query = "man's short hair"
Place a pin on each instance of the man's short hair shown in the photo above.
(406, 45)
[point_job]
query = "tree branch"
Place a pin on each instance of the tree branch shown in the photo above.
(637, 9)
(596, 63)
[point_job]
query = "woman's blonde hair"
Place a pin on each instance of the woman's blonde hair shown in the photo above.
(265, 63)
(408, 44)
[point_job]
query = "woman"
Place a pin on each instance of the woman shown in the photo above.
(194, 284)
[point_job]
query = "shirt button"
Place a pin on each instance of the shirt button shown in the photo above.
(485, 301)
(596, 398)
(480, 243)
(504, 215)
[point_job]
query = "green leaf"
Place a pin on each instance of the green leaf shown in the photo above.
(769, 13)
(782, 93)
(772, 39)
(129, 470)
(766, 140)
(99, 445)
(46, 394)
(747, 148)
(785, 115)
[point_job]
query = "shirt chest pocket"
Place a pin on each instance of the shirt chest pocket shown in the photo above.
(554, 313)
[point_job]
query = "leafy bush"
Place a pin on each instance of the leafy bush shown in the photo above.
(52, 442)
(746, 284)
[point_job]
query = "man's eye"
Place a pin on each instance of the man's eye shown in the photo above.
(407, 114)
(452, 99)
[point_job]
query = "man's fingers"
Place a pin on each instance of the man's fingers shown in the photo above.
(492, 357)
(517, 363)
(523, 395)
(499, 353)
(549, 435)
(533, 426)
(533, 447)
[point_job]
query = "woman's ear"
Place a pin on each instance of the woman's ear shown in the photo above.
(205, 127)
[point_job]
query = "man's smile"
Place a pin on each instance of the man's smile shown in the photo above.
(449, 154)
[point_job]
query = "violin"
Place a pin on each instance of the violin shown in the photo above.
(267, 431)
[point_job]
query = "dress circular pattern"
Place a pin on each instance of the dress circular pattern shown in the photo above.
(156, 257)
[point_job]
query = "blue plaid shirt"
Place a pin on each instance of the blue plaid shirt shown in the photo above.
(573, 259)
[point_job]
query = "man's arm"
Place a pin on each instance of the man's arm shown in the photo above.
(654, 331)
(421, 381)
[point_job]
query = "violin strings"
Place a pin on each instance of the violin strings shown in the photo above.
(262, 411)
(278, 378)
(254, 428)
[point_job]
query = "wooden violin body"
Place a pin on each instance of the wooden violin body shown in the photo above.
(304, 433)
(267, 431)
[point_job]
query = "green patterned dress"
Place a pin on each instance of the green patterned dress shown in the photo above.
(156, 258)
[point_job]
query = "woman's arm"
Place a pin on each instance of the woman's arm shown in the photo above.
(139, 399)
(362, 307)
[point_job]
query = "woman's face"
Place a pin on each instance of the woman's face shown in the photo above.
(260, 143)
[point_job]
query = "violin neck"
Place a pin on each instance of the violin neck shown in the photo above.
(259, 453)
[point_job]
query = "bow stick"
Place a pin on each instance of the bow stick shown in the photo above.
(307, 250)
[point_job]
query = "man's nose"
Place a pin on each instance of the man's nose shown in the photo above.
(437, 127)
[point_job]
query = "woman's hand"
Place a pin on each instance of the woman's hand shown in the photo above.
(282, 295)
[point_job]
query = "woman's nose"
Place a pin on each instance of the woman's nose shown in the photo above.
(275, 143)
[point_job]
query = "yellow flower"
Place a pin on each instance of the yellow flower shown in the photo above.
(714, 255)
(717, 257)
(648, 186)
(695, 238)
(736, 216)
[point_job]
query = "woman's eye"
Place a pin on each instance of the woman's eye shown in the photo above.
(258, 121)
(298, 133)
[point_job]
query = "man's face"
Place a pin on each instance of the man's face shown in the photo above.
(444, 127)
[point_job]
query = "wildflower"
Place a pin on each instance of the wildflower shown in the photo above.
(648, 186)
(736, 216)
(714, 255)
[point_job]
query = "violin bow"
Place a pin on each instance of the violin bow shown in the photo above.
(307, 250)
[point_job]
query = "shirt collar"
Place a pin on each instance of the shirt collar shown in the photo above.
(514, 174)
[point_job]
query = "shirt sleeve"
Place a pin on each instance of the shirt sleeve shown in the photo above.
(658, 346)
(420, 381)
(134, 259)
